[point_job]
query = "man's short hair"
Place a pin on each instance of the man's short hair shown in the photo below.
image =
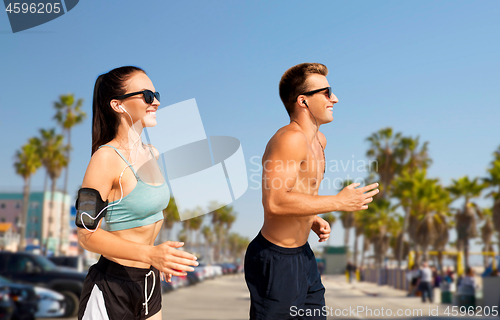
(293, 82)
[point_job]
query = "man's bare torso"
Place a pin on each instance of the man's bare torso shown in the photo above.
(284, 230)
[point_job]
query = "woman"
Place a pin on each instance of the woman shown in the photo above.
(125, 282)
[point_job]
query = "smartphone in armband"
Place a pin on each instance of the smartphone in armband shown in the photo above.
(89, 205)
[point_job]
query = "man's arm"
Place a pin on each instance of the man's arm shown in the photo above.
(280, 174)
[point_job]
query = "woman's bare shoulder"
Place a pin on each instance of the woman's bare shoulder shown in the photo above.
(101, 171)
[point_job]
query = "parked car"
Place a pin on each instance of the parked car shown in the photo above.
(50, 303)
(75, 262)
(25, 267)
(193, 277)
(198, 273)
(24, 298)
(6, 304)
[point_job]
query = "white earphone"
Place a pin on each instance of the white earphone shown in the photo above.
(119, 180)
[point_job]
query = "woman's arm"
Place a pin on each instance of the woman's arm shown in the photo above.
(100, 175)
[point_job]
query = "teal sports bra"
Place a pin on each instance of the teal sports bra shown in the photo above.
(142, 206)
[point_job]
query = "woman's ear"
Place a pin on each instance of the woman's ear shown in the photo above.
(115, 105)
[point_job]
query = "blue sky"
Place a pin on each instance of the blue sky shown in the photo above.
(424, 68)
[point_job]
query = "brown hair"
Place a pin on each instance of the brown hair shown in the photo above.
(105, 120)
(293, 82)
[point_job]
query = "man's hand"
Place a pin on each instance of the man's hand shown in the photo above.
(351, 199)
(321, 228)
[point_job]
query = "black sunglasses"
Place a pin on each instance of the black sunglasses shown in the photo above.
(149, 96)
(309, 93)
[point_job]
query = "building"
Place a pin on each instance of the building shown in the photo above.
(44, 217)
(9, 238)
(335, 259)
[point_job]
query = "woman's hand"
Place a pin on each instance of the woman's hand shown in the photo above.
(167, 277)
(168, 259)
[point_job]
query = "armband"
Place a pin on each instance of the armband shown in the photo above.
(89, 205)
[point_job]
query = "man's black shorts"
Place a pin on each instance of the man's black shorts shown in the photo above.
(284, 283)
(113, 291)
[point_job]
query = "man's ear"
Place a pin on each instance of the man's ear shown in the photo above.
(300, 101)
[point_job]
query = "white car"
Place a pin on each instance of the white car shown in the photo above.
(50, 303)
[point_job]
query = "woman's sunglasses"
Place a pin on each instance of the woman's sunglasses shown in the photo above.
(149, 96)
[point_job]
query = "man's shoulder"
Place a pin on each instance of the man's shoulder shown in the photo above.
(288, 141)
(289, 136)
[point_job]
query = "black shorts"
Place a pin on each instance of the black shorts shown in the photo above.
(113, 291)
(284, 283)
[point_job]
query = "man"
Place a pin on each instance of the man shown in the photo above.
(425, 284)
(280, 267)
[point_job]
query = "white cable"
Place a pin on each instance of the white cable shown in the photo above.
(119, 181)
(109, 205)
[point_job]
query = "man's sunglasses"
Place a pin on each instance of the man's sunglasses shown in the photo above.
(149, 96)
(309, 93)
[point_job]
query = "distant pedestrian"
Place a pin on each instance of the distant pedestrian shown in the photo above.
(350, 271)
(425, 282)
(469, 281)
(449, 275)
(436, 277)
(412, 277)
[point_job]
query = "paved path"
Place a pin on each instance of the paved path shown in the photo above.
(227, 298)
(353, 301)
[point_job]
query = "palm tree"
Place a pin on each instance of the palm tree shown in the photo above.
(347, 219)
(466, 217)
(208, 235)
(410, 157)
(487, 231)
(26, 164)
(228, 219)
(69, 114)
(493, 181)
(182, 236)
(330, 218)
(53, 159)
(358, 231)
(222, 220)
(383, 145)
(425, 202)
(403, 186)
(397, 240)
(237, 245)
(186, 234)
(366, 247)
(440, 241)
(195, 225)
(170, 217)
(432, 207)
(378, 220)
